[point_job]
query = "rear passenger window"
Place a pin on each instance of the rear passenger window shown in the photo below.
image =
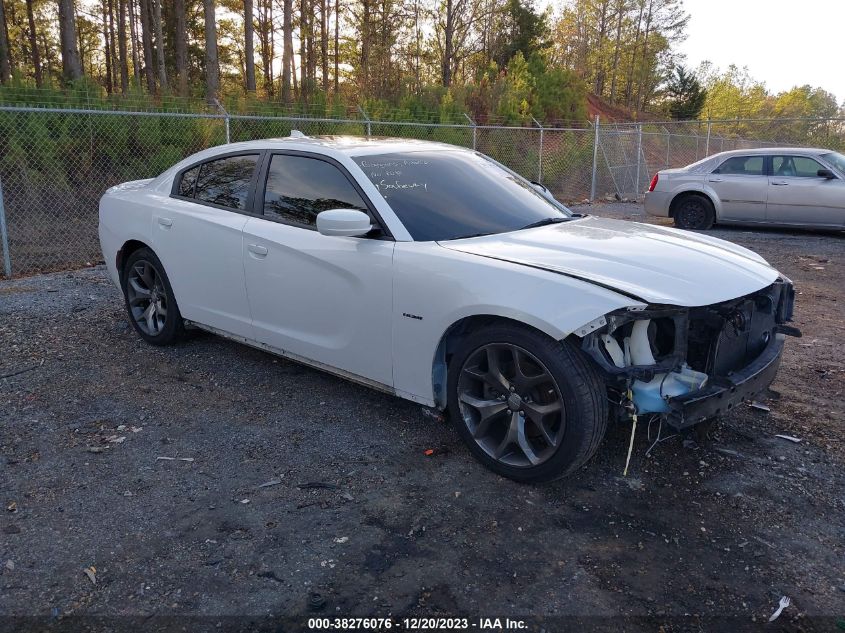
(189, 179)
(742, 166)
(224, 181)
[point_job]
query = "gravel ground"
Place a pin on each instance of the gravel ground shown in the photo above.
(288, 483)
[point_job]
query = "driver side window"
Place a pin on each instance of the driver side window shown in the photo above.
(299, 187)
(795, 166)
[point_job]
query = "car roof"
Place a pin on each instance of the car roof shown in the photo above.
(795, 151)
(349, 145)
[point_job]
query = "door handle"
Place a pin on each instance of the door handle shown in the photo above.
(165, 222)
(257, 251)
(780, 184)
(714, 180)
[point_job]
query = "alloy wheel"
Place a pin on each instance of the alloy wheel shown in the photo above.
(511, 405)
(147, 297)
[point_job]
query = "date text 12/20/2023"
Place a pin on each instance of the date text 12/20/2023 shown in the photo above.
(416, 624)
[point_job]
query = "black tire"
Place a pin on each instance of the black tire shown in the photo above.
(578, 430)
(694, 212)
(167, 327)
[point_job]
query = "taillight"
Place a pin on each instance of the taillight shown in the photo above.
(653, 182)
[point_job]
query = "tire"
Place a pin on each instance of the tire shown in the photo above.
(694, 212)
(145, 284)
(560, 405)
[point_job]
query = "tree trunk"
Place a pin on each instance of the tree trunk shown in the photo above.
(629, 83)
(162, 68)
(638, 101)
(123, 62)
(324, 43)
(448, 37)
(133, 33)
(147, 44)
(249, 45)
(71, 66)
(265, 39)
(212, 65)
(287, 50)
(108, 55)
(336, 46)
(113, 44)
(620, 13)
(181, 46)
(303, 49)
(33, 45)
(364, 79)
(5, 51)
(599, 46)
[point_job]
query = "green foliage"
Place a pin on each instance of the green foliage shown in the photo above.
(686, 96)
(520, 30)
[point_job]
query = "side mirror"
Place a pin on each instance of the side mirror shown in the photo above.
(343, 223)
(826, 173)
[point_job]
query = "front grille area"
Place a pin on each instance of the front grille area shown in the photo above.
(728, 336)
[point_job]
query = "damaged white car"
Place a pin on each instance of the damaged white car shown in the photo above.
(433, 273)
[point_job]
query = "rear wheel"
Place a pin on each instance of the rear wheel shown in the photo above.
(694, 212)
(150, 303)
(528, 407)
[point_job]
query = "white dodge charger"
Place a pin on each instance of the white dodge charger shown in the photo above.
(436, 274)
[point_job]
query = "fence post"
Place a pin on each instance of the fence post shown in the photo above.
(226, 119)
(367, 119)
(639, 151)
(4, 234)
(595, 160)
(474, 126)
(668, 146)
(540, 157)
(707, 143)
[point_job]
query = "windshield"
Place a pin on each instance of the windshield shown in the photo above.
(836, 159)
(449, 194)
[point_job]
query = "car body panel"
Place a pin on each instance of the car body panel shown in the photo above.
(803, 201)
(436, 286)
(208, 280)
(321, 297)
(787, 201)
(123, 216)
(657, 264)
(742, 198)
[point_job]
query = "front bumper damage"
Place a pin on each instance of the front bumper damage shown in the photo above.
(738, 344)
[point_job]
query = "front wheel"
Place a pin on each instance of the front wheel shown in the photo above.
(150, 302)
(528, 407)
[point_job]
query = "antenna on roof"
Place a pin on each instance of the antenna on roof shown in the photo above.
(297, 134)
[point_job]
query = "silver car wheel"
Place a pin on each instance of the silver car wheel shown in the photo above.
(147, 297)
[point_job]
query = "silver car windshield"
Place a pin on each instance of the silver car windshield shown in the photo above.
(836, 159)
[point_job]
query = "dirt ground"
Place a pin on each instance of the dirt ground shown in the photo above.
(288, 492)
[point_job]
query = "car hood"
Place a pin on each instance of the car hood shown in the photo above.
(652, 263)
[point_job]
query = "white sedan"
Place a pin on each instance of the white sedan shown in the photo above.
(436, 274)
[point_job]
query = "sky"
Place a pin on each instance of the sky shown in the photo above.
(783, 43)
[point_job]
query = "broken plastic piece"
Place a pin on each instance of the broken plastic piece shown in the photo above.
(784, 602)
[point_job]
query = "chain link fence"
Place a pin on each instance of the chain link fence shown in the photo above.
(56, 163)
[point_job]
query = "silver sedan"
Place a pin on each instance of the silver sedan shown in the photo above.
(775, 186)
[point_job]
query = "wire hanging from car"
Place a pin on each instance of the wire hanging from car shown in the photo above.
(633, 433)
